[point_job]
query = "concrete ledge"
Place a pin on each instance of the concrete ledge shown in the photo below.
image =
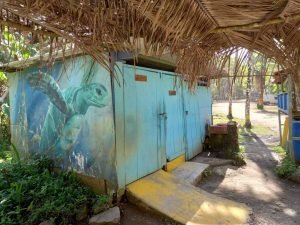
(190, 172)
(212, 161)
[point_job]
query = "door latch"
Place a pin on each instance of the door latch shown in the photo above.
(164, 114)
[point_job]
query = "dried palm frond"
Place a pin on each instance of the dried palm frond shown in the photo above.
(201, 33)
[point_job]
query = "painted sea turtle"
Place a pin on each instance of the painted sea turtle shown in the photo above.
(66, 112)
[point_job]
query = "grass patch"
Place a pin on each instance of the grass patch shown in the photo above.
(221, 118)
(30, 193)
(255, 130)
(279, 150)
(286, 167)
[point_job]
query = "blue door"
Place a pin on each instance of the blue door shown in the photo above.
(197, 107)
(143, 152)
(157, 119)
(172, 105)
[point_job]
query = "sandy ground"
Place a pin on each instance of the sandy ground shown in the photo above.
(274, 201)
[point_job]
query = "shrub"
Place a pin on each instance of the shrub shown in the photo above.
(5, 150)
(4, 126)
(31, 193)
(239, 157)
(286, 167)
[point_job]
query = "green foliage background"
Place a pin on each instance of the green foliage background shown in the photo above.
(31, 193)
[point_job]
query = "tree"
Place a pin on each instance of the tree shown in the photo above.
(261, 83)
(230, 116)
(248, 89)
(230, 94)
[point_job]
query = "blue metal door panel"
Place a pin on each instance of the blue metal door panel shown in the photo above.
(142, 153)
(193, 124)
(198, 114)
(172, 105)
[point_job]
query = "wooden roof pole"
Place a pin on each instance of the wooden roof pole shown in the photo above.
(256, 24)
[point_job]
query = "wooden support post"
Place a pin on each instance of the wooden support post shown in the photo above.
(279, 117)
(290, 114)
(248, 90)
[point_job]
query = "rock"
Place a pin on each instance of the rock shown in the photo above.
(47, 222)
(109, 217)
(224, 170)
(99, 207)
(82, 214)
(295, 177)
(220, 171)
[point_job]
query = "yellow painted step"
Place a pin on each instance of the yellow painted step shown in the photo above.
(184, 203)
(172, 165)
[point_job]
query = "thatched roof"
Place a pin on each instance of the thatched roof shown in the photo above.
(202, 33)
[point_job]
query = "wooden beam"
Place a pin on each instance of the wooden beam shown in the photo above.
(21, 27)
(256, 24)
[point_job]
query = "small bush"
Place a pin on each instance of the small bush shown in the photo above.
(286, 167)
(239, 157)
(31, 193)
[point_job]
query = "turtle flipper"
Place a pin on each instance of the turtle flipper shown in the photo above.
(47, 85)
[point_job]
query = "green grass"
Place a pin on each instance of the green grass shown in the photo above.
(255, 130)
(279, 150)
(286, 167)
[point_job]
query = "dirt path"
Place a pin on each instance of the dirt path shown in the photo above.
(274, 201)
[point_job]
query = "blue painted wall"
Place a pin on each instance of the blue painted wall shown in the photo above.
(80, 136)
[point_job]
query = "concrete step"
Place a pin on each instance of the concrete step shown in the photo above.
(190, 172)
(213, 162)
(184, 203)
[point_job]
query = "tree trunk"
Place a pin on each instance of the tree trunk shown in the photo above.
(260, 100)
(247, 106)
(229, 116)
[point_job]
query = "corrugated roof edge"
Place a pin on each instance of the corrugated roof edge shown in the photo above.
(25, 63)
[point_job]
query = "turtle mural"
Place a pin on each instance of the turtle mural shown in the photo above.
(65, 115)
